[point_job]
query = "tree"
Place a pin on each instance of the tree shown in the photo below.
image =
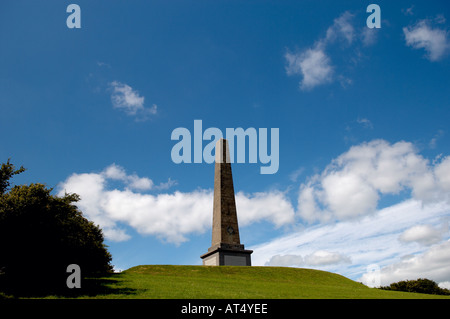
(421, 285)
(41, 234)
(6, 172)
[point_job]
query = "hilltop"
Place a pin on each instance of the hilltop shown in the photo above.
(233, 282)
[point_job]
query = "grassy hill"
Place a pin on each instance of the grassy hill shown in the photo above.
(232, 282)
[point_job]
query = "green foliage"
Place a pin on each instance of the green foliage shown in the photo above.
(421, 285)
(6, 172)
(41, 234)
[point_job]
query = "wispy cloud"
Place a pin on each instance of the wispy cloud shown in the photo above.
(423, 36)
(341, 29)
(433, 142)
(295, 174)
(366, 123)
(349, 247)
(369, 36)
(315, 65)
(125, 98)
(408, 11)
(103, 64)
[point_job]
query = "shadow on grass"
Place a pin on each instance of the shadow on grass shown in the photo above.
(92, 287)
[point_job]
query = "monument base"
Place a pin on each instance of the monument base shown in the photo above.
(227, 255)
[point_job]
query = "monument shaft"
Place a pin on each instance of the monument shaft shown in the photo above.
(225, 223)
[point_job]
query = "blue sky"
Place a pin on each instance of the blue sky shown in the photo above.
(364, 172)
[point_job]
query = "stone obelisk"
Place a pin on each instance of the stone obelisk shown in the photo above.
(226, 247)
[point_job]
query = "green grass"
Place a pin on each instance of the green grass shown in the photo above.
(232, 282)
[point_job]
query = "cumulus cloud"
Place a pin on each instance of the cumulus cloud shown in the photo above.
(422, 234)
(127, 99)
(352, 184)
(423, 36)
(133, 181)
(92, 187)
(169, 217)
(271, 206)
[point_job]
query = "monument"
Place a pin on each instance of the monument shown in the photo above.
(226, 247)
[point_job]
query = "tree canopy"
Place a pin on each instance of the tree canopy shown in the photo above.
(41, 234)
(6, 172)
(421, 285)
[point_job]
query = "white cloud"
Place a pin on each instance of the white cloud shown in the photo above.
(167, 216)
(286, 261)
(133, 181)
(170, 217)
(351, 186)
(317, 258)
(114, 171)
(433, 40)
(313, 65)
(445, 284)
(124, 97)
(422, 234)
(442, 172)
(323, 257)
(271, 206)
